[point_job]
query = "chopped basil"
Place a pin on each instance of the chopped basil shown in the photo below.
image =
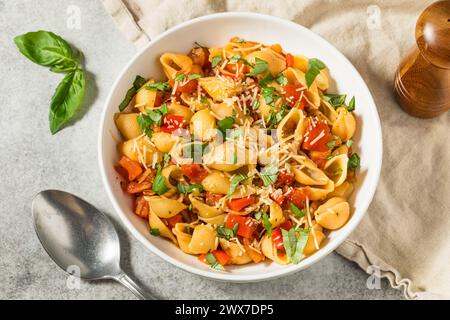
(349, 143)
(337, 172)
(194, 76)
(258, 215)
(281, 79)
(215, 61)
(336, 100)
(331, 144)
(235, 180)
(160, 86)
(204, 100)
(189, 188)
(260, 66)
(226, 233)
(144, 122)
(153, 116)
(275, 116)
(155, 232)
(255, 104)
(159, 183)
(314, 67)
(225, 124)
(294, 246)
(268, 94)
(329, 157)
(269, 174)
(137, 84)
(354, 161)
(266, 223)
(190, 207)
(351, 105)
(180, 77)
(236, 58)
(265, 81)
(213, 262)
(298, 213)
(240, 40)
(166, 158)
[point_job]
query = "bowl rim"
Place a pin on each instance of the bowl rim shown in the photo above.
(323, 252)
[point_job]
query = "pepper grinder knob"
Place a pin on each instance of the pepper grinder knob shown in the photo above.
(422, 82)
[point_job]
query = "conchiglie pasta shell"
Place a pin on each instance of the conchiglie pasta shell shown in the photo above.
(269, 250)
(140, 149)
(222, 110)
(236, 254)
(203, 124)
(163, 141)
(220, 89)
(301, 63)
(184, 238)
(307, 172)
(276, 214)
(275, 61)
(328, 111)
(310, 246)
(127, 125)
(203, 239)
(345, 124)
(229, 156)
(333, 214)
(336, 169)
(217, 220)
(296, 76)
(204, 210)
(173, 62)
(165, 208)
(193, 102)
(180, 110)
(343, 191)
(145, 99)
(156, 223)
(293, 124)
(321, 192)
(216, 182)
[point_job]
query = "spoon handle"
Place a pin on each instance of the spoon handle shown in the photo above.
(124, 279)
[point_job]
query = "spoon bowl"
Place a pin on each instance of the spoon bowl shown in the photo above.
(76, 234)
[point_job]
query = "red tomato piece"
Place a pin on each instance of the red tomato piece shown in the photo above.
(287, 225)
(298, 196)
(277, 238)
(174, 220)
(202, 258)
(136, 187)
(241, 203)
(246, 226)
(292, 93)
(319, 157)
(221, 256)
(212, 198)
(172, 122)
(133, 168)
(317, 136)
(278, 197)
(142, 207)
(194, 172)
(289, 60)
(284, 179)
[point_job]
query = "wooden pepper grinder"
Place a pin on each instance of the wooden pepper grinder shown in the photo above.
(422, 82)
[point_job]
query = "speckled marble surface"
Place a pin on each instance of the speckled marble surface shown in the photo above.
(32, 160)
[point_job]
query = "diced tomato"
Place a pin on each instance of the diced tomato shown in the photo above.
(287, 225)
(221, 256)
(278, 197)
(246, 226)
(174, 220)
(289, 60)
(188, 87)
(277, 238)
(292, 93)
(202, 258)
(172, 122)
(194, 172)
(212, 198)
(317, 136)
(298, 196)
(284, 179)
(241, 203)
(133, 168)
(136, 187)
(121, 171)
(142, 207)
(241, 67)
(319, 157)
(158, 99)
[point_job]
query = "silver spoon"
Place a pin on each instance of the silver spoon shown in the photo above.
(75, 233)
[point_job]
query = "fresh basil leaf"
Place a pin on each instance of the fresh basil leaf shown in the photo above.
(266, 223)
(268, 94)
(266, 80)
(215, 61)
(145, 123)
(213, 262)
(159, 183)
(349, 143)
(331, 144)
(336, 100)
(303, 235)
(235, 180)
(351, 105)
(269, 174)
(180, 77)
(155, 232)
(298, 213)
(255, 104)
(137, 84)
(260, 66)
(289, 241)
(46, 49)
(163, 109)
(225, 124)
(160, 86)
(194, 76)
(67, 99)
(166, 158)
(226, 233)
(281, 79)
(204, 100)
(354, 161)
(314, 67)
(155, 116)
(237, 58)
(258, 215)
(189, 188)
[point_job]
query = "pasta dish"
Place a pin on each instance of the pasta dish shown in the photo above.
(240, 154)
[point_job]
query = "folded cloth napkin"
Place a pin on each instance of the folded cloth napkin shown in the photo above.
(405, 235)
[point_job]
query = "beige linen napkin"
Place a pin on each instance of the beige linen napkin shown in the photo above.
(405, 235)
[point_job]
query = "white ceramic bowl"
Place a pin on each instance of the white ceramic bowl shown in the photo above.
(215, 30)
